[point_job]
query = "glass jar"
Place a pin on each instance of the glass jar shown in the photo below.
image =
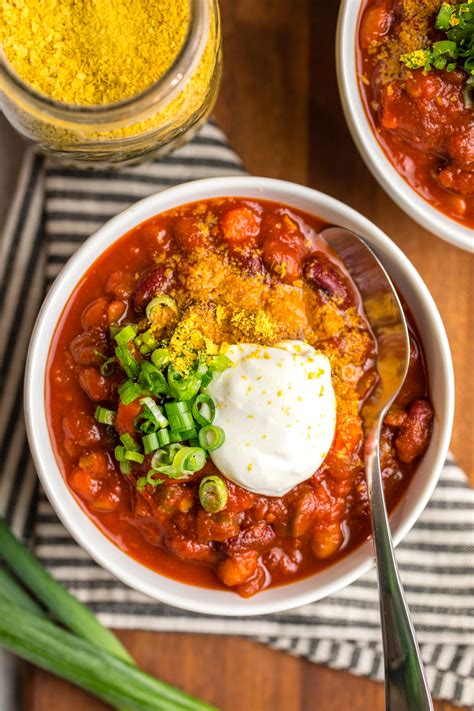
(165, 115)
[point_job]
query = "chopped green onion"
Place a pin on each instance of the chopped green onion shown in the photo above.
(204, 409)
(444, 16)
(125, 334)
(159, 458)
(182, 435)
(108, 367)
(127, 361)
(153, 410)
(150, 477)
(125, 467)
(150, 442)
(141, 483)
(132, 456)
(160, 357)
(152, 379)
(129, 391)
(164, 437)
(211, 437)
(446, 47)
(119, 453)
(155, 305)
(213, 494)
(105, 416)
(189, 459)
(184, 462)
(219, 363)
(179, 416)
(206, 378)
(129, 443)
(182, 388)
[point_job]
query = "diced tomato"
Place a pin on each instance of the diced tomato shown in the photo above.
(124, 421)
(240, 227)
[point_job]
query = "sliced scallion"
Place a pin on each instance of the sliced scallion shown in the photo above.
(129, 443)
(152, 378)
(129, 391)
(125, 334)
(156, 304)
(160, 357)
(150, 442)
(127, 361)
(213, 494)
(204, 409)
(211, 437)
(105, 416)
(108, 367)
(154, 411)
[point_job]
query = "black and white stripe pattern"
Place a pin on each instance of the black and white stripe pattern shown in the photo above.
(343, 631)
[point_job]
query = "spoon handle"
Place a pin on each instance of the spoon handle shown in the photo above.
(406, 688)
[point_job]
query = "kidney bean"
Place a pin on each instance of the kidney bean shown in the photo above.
(236, 569)
(120, 284)
(88, 348)
(376, 23)
(415, 432)
(320, 273)
(258, 536)
(95, 315)
(94, 384)
(81, 429)
(155, 280)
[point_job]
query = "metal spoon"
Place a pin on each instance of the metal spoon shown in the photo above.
(406, 688)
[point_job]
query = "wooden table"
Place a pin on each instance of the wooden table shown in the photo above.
(280, 108)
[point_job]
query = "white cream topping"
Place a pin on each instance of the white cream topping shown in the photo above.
(277, 408)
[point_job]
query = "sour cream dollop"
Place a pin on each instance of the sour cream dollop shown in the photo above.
(277, 408)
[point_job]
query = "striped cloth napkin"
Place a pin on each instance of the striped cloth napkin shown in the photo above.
(53, 211)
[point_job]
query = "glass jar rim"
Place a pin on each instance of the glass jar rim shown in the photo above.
(117, 113)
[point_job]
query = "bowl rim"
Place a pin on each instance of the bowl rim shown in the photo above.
(69, 511)
(396, 187)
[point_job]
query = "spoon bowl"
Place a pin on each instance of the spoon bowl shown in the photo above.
(406, 688)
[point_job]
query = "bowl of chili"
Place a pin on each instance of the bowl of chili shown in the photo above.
(406, 87)
(210, 253)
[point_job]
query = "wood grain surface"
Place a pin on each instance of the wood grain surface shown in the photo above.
(280, 108)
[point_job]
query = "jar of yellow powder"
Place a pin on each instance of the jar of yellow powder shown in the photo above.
(109, 81)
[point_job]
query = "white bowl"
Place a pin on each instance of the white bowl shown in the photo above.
(370, 149)
(356, 563)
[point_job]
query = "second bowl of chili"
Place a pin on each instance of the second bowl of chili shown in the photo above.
(211, 263)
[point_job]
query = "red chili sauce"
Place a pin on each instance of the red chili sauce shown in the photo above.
(419, 118)
(224, 262)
